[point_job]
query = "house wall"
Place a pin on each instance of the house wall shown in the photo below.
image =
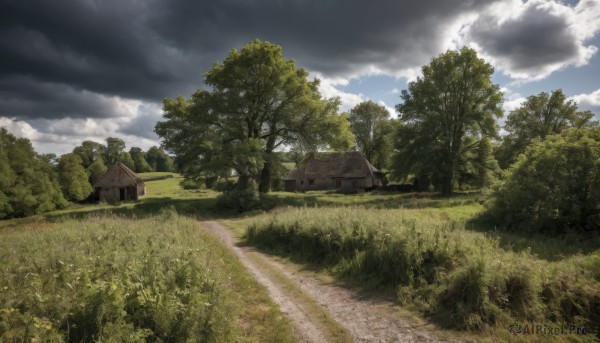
(346, 185)
(141, 189)
(113, 194)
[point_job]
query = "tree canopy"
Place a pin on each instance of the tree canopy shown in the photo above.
(541, 115)
(113, 151)
(448, 113)
(73, 178)
(554, 186)
(141, 165)
(159, 160)
(373, 129)
(258, 101)
(89, 151)
(28, 183)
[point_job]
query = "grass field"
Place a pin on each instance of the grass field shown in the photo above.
(108, 278)
(429, 252)
(462, 279)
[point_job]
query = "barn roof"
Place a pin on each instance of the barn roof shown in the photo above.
(347, 165)
(118, 175)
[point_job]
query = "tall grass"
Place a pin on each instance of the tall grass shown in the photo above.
(461, 279)
(111, 279)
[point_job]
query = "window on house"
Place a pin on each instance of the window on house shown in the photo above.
(338, 183)
(302, 182)
(311, 182)
(355, 184)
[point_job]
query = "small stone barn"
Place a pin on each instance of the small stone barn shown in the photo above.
(119, 184)
(347, 172)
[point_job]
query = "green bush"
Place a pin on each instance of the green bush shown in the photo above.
(554, 187)
(245, 200)
(188, 184)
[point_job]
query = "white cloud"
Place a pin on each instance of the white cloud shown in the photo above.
(589, 102)
(328, 90)
(134, 125)
(391, 110)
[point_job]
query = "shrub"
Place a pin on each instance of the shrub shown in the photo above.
(190, 184)
(553, 187)
(243, 200)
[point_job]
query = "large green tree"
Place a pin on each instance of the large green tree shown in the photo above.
(73, 178)
(96, 170)
(114, 148)
(159, 160)
(127, 160)
(258, 101)
(447, 113)
(89, 151)
(28, 183)
(554, 186)
(141, 165)
(541, 115)
(373, 129)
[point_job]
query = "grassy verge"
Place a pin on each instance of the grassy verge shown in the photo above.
(107, 278)
(460, 279)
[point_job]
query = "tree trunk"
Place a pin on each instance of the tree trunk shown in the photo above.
(265, 178)
(265, 175)
(447, 185)
(243, 181)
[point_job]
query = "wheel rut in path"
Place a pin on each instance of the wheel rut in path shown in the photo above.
(368, 319)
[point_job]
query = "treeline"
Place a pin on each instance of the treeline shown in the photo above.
(32, 183)
(96, 157)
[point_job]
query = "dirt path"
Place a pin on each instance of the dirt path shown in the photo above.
(367, 319)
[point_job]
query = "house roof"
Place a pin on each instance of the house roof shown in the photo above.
(118, 175)
(347, 165)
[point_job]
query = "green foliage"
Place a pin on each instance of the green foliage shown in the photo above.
(96, 170)
(158, 160)
(373, 131)
(554, 186)
(114, 280)
(126, 159)
(114, 148)
(461, 279)
(28, 183)
(190, 184)
(141, 165)
(541, 115)
(446, 114)
(73, 178)
(89, 151)
(257, 99)
(245, 199)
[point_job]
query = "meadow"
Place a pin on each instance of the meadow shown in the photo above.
(103, 273)
(141, 270)
(434, 261)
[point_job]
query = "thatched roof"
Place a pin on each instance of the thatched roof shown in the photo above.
(118, 175)
(347, 165)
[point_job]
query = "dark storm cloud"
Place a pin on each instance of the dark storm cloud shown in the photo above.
(151, 49)
(23, 97)
(331, 37)
(529, 43)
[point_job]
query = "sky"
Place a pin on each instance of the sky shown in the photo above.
(76, 70)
